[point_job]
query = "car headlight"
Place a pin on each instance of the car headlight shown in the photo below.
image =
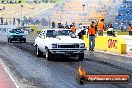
(11, 36)
(82, 45)
(24, 36)
(54, 45)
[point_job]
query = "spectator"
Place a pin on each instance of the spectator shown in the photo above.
(92, 34)
(18, 20)
(6, 22)
(111, 26)
(3, 7)
(122, 27)
(73, 28)
(14, 21)
(110, 31)
(53, 24)
(1, 20)
(101, 27)
(130, 29)
(10, 22)
(2, 1)
(96, 26)
(81, 33)
(19, 2)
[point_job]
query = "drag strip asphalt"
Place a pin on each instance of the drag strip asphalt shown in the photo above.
(36, 72)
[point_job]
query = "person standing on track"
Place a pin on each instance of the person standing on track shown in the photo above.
(130, 29)
(101, 27)
(92, 35)
(73, 28)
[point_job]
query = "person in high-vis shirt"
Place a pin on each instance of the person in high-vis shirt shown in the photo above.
(130, 29)
(73, 28)
(92, 35)
(101, 27)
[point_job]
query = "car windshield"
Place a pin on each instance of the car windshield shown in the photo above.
(84, 27)
(54, 33)
(16, 31)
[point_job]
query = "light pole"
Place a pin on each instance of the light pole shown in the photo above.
(83, 11)
(21, 14)
(49, 21)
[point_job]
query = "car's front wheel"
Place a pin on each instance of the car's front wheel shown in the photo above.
(38, 52)
(48, 55)
(81, 56)
(9, 40)
(25, 41)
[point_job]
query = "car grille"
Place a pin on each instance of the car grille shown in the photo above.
(69, 46)
(17, 36)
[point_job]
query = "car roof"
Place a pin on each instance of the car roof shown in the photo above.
(84, 25)
(16, 28)
(55, 29)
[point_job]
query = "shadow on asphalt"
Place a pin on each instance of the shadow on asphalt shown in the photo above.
(65, 59)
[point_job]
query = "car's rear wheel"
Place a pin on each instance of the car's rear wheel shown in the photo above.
(81, 56)
(38, 52)
(48, 55)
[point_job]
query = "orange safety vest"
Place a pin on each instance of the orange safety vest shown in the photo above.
(73, 29)
(129, 28)
(91, 31)
(101, 26)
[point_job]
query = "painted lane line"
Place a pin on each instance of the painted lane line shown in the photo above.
(8, 72)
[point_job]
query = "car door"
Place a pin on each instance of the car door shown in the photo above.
(43, 41)
(39, 41)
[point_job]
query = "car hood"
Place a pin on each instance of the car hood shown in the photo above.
(64, 39)
(16, 34)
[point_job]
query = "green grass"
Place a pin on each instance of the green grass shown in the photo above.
(24, 1)
(119, 32)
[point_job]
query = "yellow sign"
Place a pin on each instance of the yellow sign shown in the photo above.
(108, 43)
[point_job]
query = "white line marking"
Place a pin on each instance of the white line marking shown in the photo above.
(8, 72)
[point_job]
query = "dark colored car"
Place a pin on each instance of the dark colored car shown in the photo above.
(16, 35)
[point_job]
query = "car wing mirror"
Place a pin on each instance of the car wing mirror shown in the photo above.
(10, 31)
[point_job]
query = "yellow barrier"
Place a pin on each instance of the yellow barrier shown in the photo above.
(85, 39)
(108, 43)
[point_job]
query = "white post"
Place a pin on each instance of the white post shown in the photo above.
(21, 14)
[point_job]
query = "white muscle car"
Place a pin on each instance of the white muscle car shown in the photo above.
(82, 27)
(53, 42)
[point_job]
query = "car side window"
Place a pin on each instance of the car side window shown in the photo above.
(40, 35)
(43, 35)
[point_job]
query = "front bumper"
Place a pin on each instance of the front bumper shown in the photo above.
(67, 51)
(18, 39)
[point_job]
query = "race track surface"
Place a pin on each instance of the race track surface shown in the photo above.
(36, 72)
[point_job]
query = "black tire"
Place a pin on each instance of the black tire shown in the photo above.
(38, 52)
(21, 41)
(48, 55)
(10, 40)
(24, 41)
(81, 57)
